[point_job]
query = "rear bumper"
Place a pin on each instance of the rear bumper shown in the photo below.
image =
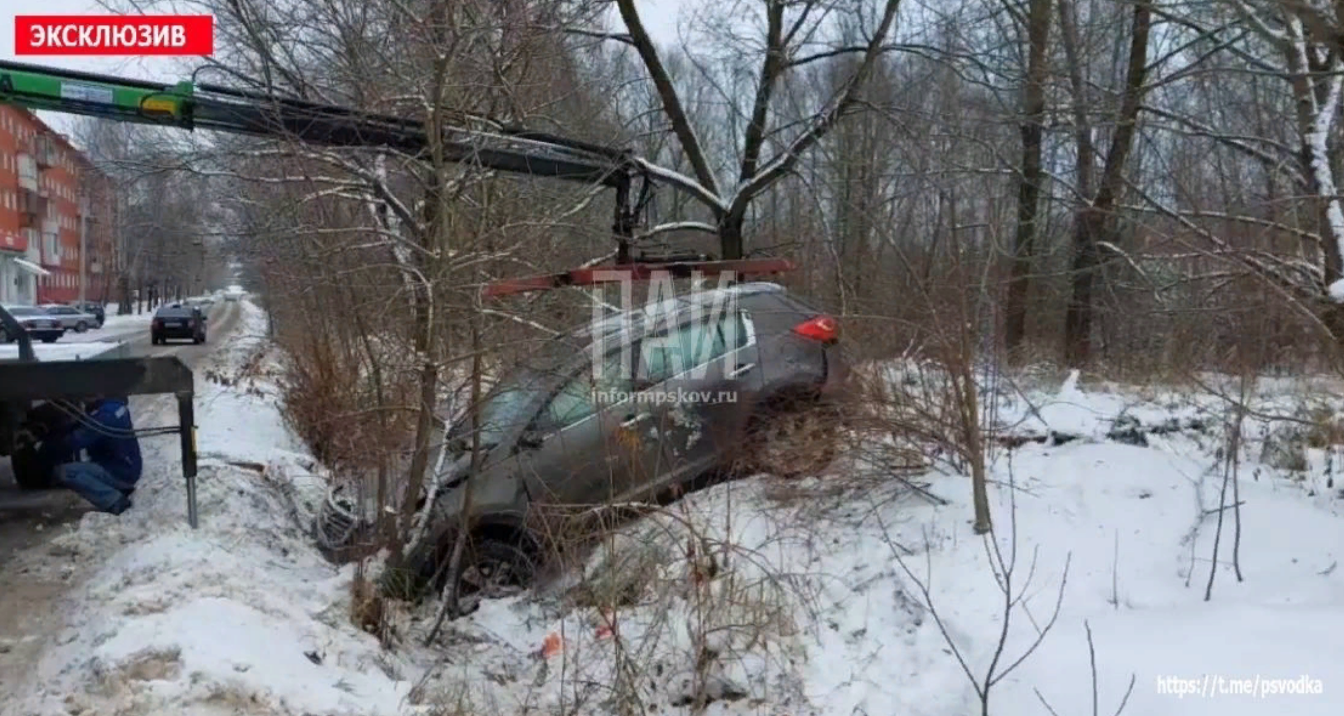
(837, 373)
(177, 332)
(44, 334)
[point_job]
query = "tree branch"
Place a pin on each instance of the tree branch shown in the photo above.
(824, 122)
(676, 114)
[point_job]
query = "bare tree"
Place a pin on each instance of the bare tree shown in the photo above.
(789, 43)
(1094, 222)
(1029, 184)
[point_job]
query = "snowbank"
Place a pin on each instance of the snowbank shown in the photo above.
(883, 602)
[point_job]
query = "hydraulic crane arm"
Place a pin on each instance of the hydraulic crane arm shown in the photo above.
(202, 106)
(191, 106)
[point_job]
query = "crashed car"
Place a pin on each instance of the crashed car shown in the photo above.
(637, 405)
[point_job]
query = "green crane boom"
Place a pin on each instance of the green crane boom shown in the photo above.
(201, 106)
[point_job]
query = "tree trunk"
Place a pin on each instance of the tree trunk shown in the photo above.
(1088, 228)
(425, 345)
(1029, 184)
(730, 236)
(1094, 220)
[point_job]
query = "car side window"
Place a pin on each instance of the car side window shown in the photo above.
(736, 333)
(690, 345)
(584, 393)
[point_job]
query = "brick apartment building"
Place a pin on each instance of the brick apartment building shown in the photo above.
(47, 190)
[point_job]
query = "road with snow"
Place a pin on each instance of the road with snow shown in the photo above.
(28, 520)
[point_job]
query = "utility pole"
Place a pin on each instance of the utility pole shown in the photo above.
(83, 246)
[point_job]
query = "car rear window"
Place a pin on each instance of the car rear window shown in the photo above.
(174, 313)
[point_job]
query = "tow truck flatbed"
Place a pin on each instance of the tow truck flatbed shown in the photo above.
(47, 352)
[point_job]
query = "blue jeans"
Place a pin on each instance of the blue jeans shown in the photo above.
(94, 483)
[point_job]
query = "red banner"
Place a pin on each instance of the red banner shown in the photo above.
(118, 35)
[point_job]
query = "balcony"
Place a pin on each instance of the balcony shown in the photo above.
(32, 208)
(28, 179)
(43, 151)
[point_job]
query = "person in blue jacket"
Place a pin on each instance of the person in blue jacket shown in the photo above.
(97, 458)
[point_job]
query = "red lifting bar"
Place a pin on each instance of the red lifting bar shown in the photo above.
(635, 272)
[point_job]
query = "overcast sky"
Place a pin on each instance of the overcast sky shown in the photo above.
(660, 16)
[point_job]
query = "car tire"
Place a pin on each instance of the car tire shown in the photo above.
(793, 440)
(81, 327)
(490, 568)
(28, 472)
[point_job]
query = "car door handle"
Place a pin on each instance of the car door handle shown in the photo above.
(741, 370)
(633, 420)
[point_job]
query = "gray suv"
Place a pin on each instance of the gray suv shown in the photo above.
(636, 407)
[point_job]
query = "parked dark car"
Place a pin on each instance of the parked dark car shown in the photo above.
(39, 324)
(177, 321)
(746, 379)
(93, 308)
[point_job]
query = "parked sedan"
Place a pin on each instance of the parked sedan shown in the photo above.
(39, 324)
(92, 308)
(177, 321)
(71, 318)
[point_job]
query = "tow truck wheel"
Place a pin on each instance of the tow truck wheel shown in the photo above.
(27, 472)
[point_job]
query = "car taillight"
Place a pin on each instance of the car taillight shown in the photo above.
(158, 323)
(822, 328)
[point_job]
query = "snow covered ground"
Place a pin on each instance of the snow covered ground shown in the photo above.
(115, 327)
(760, 598)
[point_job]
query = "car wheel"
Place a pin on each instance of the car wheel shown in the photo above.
(793, 441)
(28, 471)
(81, 327)
(4, 336)
(490, 568)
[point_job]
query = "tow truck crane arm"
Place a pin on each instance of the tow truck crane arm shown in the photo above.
(193, 106)
(204, 106)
